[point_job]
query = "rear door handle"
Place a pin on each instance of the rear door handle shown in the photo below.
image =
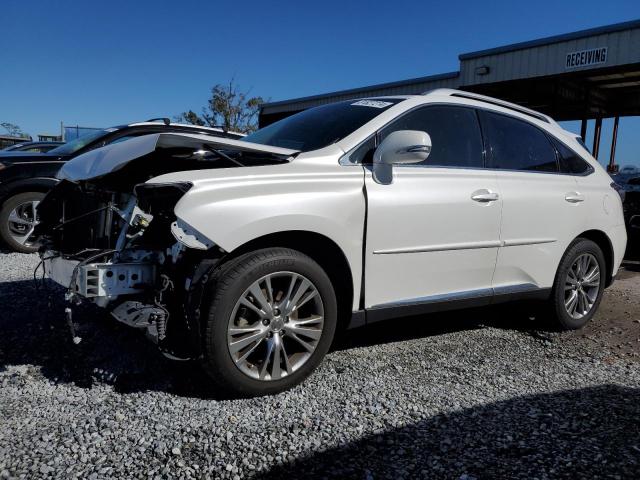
(484, 196)
(574, 197)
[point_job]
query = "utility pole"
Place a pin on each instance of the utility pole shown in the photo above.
(612, 167)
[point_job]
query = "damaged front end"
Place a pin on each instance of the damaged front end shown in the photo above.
(110, 238)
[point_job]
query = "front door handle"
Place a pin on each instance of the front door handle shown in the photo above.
(574, 197)
(484, 196)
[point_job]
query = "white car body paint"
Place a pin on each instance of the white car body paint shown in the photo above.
(426, 237)
(312, 193)
(423, 236)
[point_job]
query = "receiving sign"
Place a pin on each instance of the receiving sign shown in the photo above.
(585, 58)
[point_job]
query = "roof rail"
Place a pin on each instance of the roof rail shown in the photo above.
(164, 120)
(493, 101)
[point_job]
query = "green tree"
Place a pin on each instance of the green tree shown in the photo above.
(12, 129)
(229, 108)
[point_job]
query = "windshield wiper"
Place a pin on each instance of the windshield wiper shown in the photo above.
(224, 155)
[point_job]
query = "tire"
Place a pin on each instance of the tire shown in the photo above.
(10, 232)
(281, 330)
(564, 290)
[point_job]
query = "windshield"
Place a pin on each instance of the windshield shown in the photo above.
(321, 126)
(83, 141)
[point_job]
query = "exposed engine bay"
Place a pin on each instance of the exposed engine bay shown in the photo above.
(114, 240)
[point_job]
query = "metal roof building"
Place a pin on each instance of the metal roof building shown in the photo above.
(9, 140)
(590, 74)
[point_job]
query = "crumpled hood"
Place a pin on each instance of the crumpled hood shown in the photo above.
(102, 161)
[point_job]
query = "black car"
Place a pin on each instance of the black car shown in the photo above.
(25, 177)
(35, 147)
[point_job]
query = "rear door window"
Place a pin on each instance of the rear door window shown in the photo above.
(517, 145)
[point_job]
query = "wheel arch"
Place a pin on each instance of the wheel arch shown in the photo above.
(604, 242)
(38, 184)
(321, 249)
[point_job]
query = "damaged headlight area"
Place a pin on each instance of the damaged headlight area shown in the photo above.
(110, 236)
(124, 252)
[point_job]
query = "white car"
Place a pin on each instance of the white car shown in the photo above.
(250, 254)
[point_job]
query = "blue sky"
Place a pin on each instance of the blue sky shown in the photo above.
(105, 63)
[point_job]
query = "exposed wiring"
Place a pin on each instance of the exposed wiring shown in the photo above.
(161, 326)
(92, 212)
(44, 272)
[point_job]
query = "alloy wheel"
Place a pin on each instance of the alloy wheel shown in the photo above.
(275, 326)
(22, 222)
(582, 286)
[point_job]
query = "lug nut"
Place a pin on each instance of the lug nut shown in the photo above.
(276, 312)
(265, 321)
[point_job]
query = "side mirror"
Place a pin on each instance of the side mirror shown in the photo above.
(400, 147)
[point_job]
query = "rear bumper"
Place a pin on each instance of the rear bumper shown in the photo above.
(95, 280)
(618, 237)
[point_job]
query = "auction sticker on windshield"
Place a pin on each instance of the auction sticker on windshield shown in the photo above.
(372, 103)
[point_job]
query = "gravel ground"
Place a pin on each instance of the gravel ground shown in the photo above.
(474, 394)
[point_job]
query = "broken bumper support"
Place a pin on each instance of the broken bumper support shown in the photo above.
(95, 280)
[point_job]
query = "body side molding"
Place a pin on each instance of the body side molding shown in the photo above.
(450, 301)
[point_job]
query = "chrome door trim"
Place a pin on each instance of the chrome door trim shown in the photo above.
(441, 248)
(516, 242)
(466, 246)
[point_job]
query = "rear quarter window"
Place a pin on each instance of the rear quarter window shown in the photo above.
(570, 162)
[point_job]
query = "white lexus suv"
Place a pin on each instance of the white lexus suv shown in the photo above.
(250, 254)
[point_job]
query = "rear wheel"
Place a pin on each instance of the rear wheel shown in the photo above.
(18, 219)
(579, 284)
(270, 322)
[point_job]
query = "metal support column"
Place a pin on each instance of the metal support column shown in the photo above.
(596, 138)
(583, 130)
(613, 168)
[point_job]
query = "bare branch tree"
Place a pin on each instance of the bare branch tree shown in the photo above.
(12, 129)
(228, 108)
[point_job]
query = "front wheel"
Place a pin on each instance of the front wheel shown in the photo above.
(18, 219)
(579, 284)
(270, 322)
